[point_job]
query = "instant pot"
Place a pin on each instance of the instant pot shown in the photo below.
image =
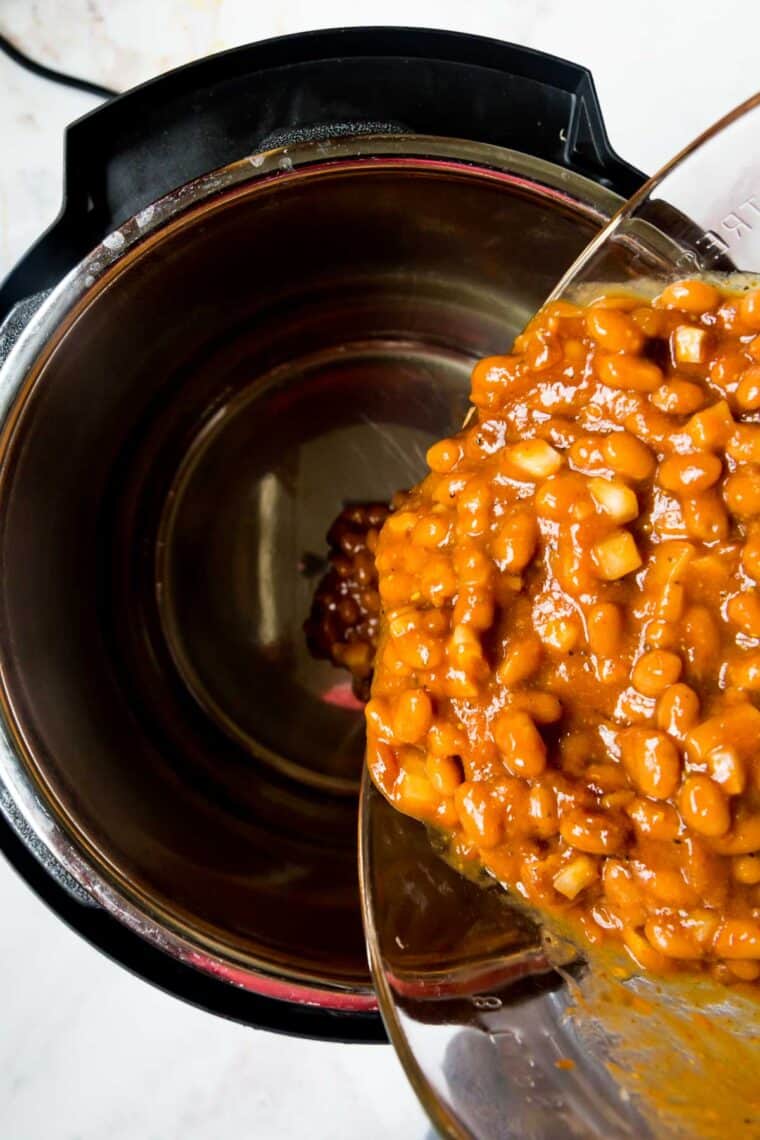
(271, 275)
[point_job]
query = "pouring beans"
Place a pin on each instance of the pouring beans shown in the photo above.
(567, 678)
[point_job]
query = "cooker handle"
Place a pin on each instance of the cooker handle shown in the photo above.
(139, 146)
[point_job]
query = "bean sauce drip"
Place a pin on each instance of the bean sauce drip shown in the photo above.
(344, 621)
(568, 675)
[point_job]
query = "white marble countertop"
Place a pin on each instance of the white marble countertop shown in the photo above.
(86, 1050)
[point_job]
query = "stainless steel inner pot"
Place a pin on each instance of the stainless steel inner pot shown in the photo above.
(183, 419)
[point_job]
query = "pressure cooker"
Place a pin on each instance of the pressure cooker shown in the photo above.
(271, 274)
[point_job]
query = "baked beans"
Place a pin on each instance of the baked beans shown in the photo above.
(567, 681)
(344, 621)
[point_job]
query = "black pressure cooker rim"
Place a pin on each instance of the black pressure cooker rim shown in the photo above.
(164, 133)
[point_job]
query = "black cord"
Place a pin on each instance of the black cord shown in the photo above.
(50, 73)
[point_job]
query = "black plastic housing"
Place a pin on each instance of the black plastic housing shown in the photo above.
(142, 144)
